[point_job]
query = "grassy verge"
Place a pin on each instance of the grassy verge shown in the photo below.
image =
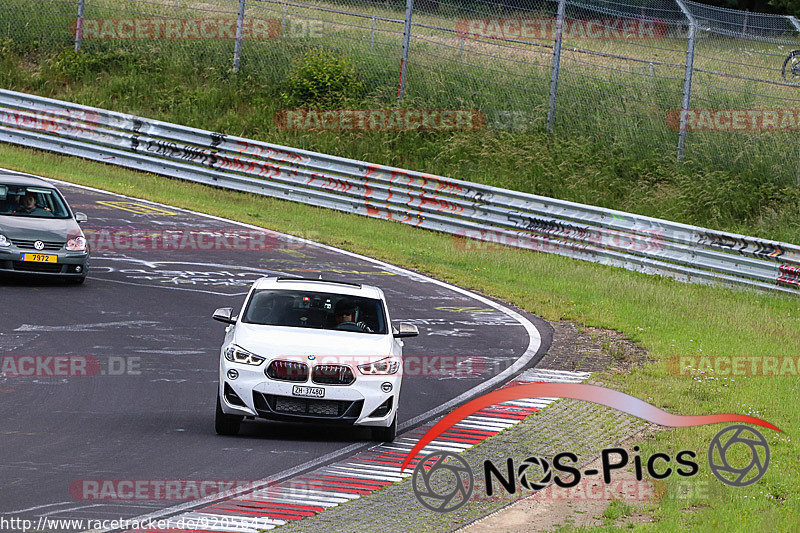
(668, 318)
(602, 155)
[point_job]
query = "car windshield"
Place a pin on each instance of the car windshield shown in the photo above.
(34, 202)
(317, 310)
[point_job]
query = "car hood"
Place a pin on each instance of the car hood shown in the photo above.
(44, 229)
(272, 341)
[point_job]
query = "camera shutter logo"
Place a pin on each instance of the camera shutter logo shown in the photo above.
(738, 436)
(443, 485)
(524, 470)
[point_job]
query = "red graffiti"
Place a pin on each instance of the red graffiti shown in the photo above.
(336, 184)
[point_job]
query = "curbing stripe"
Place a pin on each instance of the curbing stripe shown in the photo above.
(370, 470)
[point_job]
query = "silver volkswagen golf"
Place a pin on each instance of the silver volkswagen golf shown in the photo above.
(39, 233)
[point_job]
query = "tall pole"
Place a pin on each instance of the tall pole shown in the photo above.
(237, 48)
(551, 110)
(401, 89)
(79, 25)
(687, 78)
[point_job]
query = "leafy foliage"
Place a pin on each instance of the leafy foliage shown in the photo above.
(322, 79)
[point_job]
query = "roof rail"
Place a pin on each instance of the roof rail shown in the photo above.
(320, 280)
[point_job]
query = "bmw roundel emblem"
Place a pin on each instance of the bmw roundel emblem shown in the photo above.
(312, 357)
(39, 245)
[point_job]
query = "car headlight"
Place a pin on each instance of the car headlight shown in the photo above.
(4, 242)
(78, 244)
(390, 365)
(240, 355)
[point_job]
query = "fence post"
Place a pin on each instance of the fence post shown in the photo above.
(796, 25)
(687, 78)
(551, 110)
(237, 48)
(372, 35)
(79, 25)
(401, 89)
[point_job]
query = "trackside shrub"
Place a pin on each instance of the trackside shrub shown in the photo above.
(322, 79)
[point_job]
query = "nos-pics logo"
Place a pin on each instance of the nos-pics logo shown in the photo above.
(443, 481)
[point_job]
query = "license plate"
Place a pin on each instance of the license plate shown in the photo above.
(40, 258)
(311, 392)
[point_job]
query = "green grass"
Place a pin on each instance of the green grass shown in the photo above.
(668, 318)
(620, 156)
(583, 167)
(615, 510)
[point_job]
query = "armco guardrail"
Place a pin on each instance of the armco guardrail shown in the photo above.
(473, 211)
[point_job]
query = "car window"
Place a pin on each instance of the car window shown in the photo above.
(35, 202)
(316, 310)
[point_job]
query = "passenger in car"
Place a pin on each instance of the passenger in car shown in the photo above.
(9, 204)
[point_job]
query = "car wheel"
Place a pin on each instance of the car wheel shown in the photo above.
(226, 424)
(386, 434)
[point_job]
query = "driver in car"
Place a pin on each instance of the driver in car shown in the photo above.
(346, 313)
(27, 206)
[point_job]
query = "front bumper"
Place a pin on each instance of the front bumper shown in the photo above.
(254, 394)
(68, 264)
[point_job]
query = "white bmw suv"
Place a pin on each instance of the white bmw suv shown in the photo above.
(311, 350)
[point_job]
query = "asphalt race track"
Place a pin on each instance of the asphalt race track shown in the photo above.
(143, 321)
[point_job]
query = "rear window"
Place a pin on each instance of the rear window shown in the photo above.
(34, 202)
(316, 310)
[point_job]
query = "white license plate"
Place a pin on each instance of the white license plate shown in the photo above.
(309, 392)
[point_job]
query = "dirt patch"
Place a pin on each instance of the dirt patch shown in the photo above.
(588, 349)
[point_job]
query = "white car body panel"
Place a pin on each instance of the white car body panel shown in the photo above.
(325, 346)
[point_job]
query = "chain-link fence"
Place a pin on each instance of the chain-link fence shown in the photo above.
(706, 84)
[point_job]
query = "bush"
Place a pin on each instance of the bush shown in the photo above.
(322, 80)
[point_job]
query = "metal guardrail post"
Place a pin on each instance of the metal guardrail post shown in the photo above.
(79, 25)
(551, 110)
(687, 78)
(401, 89)
(796, 24)
(237, 48)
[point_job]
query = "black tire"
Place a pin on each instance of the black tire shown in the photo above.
(226, 424)
(791, 60)
(386, 434)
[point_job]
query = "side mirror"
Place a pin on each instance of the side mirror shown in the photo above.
(80, 218)
(405, 330)
(224, 314)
